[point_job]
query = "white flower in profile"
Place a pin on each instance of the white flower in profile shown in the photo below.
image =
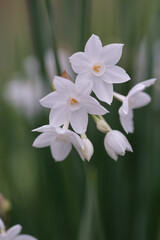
(71, 102)
(136, 98)
(13, 233)
(116, 144)
(97, 64)
(60, 141)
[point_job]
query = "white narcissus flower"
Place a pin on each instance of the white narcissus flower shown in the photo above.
(13, 233)
(136, 98)
(71, 102)
(97, 64)
(60, 141)
(116, 144)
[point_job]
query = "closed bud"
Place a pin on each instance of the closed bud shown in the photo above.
(88, 147)
(102, 126)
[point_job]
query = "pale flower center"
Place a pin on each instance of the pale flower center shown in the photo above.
(73, 103)
(98, 69)
(61, 138)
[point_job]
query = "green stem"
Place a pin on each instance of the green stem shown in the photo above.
(85, 22)
(53, 38)
(35, 17)
(118, 96)
(91, 225)
(102, 125)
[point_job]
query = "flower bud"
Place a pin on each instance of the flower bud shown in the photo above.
(102, 126)
(116, 144)
(88, 148)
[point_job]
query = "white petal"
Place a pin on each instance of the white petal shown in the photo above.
(43, 140)
(118, 142)
(74, 138)
(45, 128)
(148, 83)
(111, 53)
(13, 231)
(103, 90)
(83, 85)
(115, 142)
(109, 150)
(93, 47)
(88, 148)
(60, 150)
(92, 106)
(140, 99)
(59, 116)
(53, 100)
(80, 62)
(79, 120)
(25, 237)
(63, 86)
(77, 142)
(125, 106)
(115, 74)
(127, 121)
(137, 88)
(141, 86)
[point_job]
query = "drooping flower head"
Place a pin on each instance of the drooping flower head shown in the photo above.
(136, 98)
(60, 141)
(97, 64)
(71, 102)
(116, 144)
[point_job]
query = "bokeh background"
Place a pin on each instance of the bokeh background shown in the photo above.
(102, 199)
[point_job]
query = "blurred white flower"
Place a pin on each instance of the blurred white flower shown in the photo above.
(116, 144)
(24, 92)
(63, 56)
(97, 64)
(88, 147)
(13, 233)
(60, 141)
(136, 98)
(71, 102)
(140, 62)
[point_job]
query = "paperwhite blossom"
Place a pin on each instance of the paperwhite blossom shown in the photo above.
(97, 64)
(13, 233)
(136, 98)
(116, 144)
(60, 141)
(71, 102)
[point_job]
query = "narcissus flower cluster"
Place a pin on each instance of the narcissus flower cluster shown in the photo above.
(71, 103)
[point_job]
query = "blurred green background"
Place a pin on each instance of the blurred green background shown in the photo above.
(101, 199)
